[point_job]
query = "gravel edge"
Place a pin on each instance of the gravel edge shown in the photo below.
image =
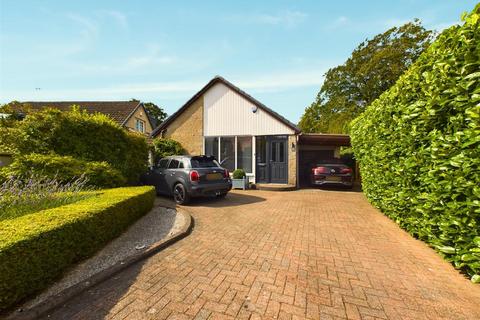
(62, 297)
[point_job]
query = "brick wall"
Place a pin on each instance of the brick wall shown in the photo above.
(141, 114)
(292, 160)
(187, 128)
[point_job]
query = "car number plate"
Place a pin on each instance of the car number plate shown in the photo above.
(333, 178)
(214, 176)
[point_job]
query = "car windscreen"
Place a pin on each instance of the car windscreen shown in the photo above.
(204, 162)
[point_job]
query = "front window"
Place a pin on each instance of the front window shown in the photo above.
(227, 152)
(211, 147)
(140, 125)
(244, 153)
(232, 152)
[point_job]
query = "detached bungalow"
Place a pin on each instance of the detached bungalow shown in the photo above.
(224, 121)
(129, 114)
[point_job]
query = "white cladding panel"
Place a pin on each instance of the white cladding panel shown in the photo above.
(226, 113)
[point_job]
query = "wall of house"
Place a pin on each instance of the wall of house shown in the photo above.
(187, 128)
(292, 159)
(227, 113)
(141, 114)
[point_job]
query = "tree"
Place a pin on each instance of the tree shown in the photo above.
(164, 147)
(155, 113)
(374, 66)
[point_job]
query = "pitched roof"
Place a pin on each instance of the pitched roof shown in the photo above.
(245, 95)
(120, 111)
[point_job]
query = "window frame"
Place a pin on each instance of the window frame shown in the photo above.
(139, 121)
(235, 149)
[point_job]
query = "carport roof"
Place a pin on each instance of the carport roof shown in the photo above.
(324, 139)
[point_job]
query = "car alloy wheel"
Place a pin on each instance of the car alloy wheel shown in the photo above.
(180, 195)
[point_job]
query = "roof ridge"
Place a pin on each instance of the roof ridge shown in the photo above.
(245, 95)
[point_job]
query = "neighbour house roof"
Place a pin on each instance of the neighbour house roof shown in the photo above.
(119, 111)
(231, 86)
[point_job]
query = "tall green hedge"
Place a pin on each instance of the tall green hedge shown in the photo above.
(35, 249)
(419, 147)
(84, 136)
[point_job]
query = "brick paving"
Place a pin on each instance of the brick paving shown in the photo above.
(308, 254)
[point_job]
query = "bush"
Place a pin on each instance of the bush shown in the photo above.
(238, 174)
(164, 147)
(64, 169)
(419, 147)
(33, 193)
(88, 137)
(36, 249)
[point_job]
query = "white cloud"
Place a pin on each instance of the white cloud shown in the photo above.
(153, 56)
(282, 81)
(338, 23)
(89, 30)
(118, 16)
(286, 18)
(254, 83)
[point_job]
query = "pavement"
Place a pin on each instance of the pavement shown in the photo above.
(307, 254)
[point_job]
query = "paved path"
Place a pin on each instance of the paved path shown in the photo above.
(305, 254)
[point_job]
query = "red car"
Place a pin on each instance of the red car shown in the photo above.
(334, 174)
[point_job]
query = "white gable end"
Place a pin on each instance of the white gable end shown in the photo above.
(227, 113)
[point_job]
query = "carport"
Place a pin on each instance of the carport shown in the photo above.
(314, 147)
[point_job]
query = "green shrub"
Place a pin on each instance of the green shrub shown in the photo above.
(36, 249)
(164, 147)
(239, 174)
(419, 147)
(33, 193)
(64, 169)
(84, 136)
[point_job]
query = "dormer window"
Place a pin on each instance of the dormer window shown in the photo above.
(140, 125)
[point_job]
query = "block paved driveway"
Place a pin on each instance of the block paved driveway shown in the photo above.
(285, 255)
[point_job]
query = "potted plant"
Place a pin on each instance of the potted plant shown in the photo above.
(239, 179)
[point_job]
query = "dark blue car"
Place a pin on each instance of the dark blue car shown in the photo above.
(184, 177)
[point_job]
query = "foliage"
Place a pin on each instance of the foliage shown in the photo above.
(12, 110)
(36, 249)
(89, 137)
(373, 67)
(419, 147)
(34, 193)
(64, 169)
(155, 113)
(164, 147)
(239, 174)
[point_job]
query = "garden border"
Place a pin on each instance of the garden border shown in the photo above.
(54, 301)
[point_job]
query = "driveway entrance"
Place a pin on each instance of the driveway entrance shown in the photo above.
(308, 254)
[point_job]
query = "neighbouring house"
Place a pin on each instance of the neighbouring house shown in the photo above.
(224, 121)
(129, 114)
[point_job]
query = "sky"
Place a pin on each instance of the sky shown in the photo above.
(166, 51)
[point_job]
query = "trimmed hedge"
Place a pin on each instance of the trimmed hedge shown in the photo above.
(419, 147)
(36, 249)
(64, 169)
(78, 134)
